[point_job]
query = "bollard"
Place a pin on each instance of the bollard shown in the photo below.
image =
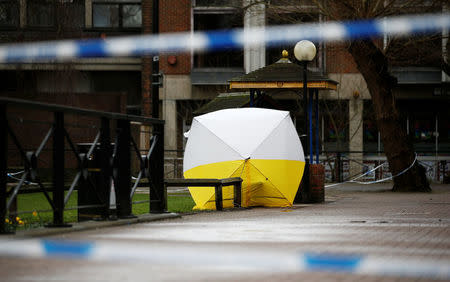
(317, 180)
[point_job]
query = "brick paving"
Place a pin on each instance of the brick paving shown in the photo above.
(354, 220)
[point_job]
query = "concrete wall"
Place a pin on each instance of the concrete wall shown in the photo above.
(348, 83)
(353, 88)
(355, 115)
(176, 87)
(255, 16)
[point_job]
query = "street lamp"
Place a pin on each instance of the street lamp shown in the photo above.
(304, 52)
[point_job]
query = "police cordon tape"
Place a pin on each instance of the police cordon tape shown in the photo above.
(372, 170)
(233, 258)
(218, 40)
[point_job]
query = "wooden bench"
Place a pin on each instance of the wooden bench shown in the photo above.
(207, 182)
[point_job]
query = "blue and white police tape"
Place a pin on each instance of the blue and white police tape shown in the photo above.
(219, 40)
(354, 180)
(233, 258)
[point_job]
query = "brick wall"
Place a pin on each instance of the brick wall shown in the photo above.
(175, 16)
(339, 60)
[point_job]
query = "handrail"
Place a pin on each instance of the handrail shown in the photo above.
(113, 161)
(76, 110)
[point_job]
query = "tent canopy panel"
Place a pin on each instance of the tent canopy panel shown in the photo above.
(204, 147)
(242, 129)
(283, 143)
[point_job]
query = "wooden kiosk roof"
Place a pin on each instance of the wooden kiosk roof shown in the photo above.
(282, 75)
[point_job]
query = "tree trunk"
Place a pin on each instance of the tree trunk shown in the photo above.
(373, 65)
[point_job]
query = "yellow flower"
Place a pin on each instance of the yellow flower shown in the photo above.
(21, 222)
(7, 220)
(17, 219)
(35, 213)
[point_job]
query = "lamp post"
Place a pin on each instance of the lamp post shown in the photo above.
(304, 52)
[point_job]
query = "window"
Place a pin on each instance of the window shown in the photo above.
(422, 130)
(41, 13)
(116, 14)
(370, 130)
(218, 3)
(444, 130)
(9, 13)
(290, 3)
(426, 123)
(416, 50)
(218, 19)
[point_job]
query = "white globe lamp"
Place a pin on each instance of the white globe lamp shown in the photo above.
(305, 50)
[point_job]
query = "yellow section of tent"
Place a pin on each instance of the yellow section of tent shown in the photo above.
(268, 183)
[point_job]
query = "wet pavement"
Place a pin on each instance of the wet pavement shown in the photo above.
(359, 233)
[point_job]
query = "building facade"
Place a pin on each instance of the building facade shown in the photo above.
(192, 79)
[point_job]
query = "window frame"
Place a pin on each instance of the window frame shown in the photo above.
(15, 25)
(120, 5)
(52, 4)
(218, 11)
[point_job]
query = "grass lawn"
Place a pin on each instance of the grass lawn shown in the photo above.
(35, 211)
(181, 203)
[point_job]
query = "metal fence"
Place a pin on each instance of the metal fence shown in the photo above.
(374, 167)
(337, 166)
(54, 150)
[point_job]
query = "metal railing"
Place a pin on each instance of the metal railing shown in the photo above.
(113, 160)
(337, 165)
(375, 166)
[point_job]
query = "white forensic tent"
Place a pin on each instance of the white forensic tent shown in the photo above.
(259, 145)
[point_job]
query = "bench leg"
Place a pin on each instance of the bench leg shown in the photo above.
(237, 195)
(219, 205)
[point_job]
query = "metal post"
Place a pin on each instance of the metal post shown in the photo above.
(303, 194)
(218, 192)
(339, 167)
(436, 130)
(317, 124)
(105, 166)
(3, 166)
(443, 166)
(158, 193)
(58, 171)
(155, 64)
(122, 182)
(237, 195)
(252, 97)
(305, 101)
(310, 145)
(258, 99)
(155, 87)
